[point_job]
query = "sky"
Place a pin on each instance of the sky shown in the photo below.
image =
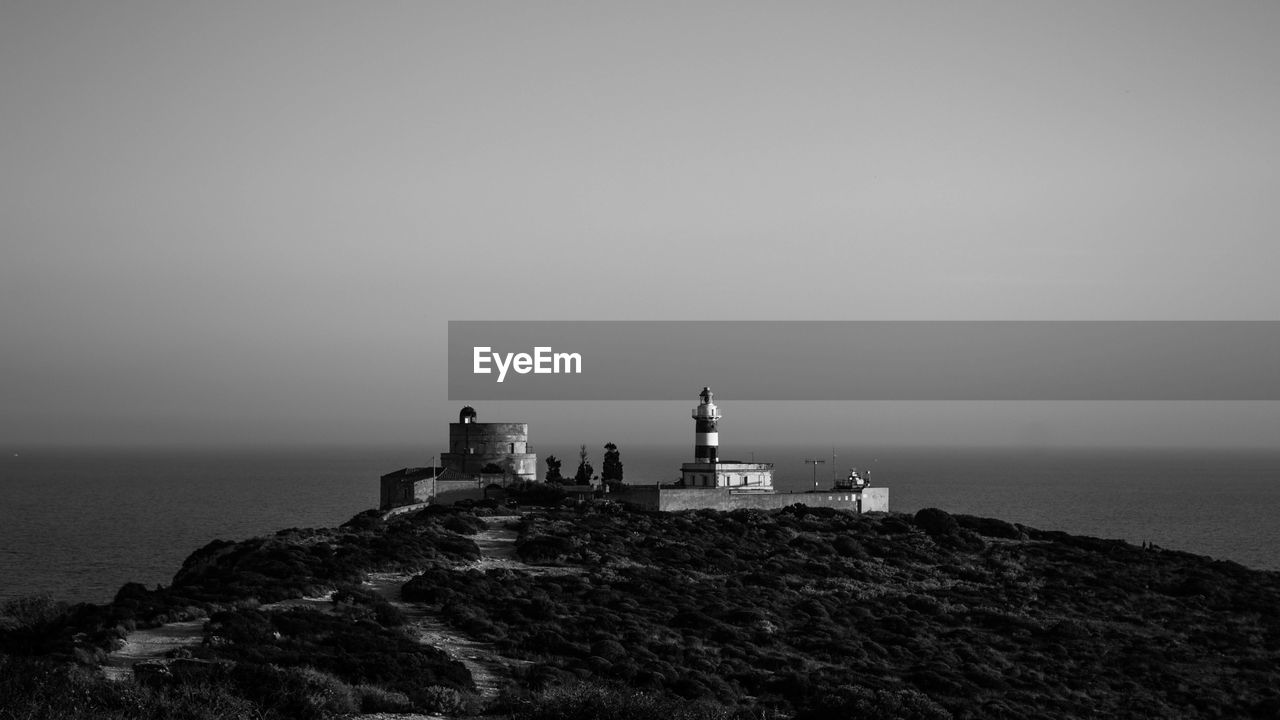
(248, 222)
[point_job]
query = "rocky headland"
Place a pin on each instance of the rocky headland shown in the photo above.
(595, 611)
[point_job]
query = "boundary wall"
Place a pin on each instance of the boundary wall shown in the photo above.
(673, 499)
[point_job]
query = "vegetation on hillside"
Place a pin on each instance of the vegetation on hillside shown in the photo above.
(803, 613)
(291, 663)
(818, 612)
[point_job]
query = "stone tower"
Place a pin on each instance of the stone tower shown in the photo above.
(473, 446)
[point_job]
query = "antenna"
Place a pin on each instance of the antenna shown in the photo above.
(815, 464)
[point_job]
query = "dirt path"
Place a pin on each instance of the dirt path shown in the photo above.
(498, 550)
(490, 670)
(151, 644)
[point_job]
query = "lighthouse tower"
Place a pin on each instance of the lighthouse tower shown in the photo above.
(706, 416)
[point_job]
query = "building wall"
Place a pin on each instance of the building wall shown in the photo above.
(728, 475)
(449, 491)
(875, 499)
(482, 438)
(641, 496)
(388, 492)
(670, 499)
(392, 512)
(396, 490)
(525, 465)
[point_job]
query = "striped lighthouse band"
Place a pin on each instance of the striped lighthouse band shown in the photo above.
(706, 442)
(707, 438)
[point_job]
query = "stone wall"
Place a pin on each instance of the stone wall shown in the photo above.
(388, 514)
(641, 496)
(669, 499)
(449, 491)
(395, 490)
(488, 438)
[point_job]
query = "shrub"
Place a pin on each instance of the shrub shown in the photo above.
(358, 603)
(39, 689)
(853, 701)
(536, 493)
(295, 692)
(30, 611)
(544, 549)
(584, 701)
(464, 524)
(989, 527)
(936, 522)
(442, 700)
(367, 520)
(374, 699)
(36, 625)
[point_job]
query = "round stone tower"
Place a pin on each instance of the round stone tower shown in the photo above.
(474, 446)
(706, 416)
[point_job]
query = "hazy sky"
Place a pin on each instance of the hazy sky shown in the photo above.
(250, 222)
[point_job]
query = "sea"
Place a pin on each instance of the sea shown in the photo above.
(76, 524)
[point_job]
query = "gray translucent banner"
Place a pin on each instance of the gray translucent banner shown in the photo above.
(835, 360)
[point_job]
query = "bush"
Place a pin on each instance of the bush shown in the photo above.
(544, 549)
(295, 692)
(852, 701)
(30, 611)
(990, 527)
(358, 603)
(442, 700)
(536, 493)
(356, 653)
(936, 522)
(37, 625)
(465, 524)
(374, 699)
(613, 702)
(39, 689)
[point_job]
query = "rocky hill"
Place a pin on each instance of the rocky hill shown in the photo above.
(596, 611)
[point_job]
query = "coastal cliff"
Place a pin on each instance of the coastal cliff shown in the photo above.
(597, 611)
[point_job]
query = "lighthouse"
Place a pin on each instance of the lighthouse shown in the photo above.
(708, 470)
(706, 415)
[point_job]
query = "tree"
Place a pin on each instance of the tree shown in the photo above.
(553, 470)
(583, 476)
(612, 469)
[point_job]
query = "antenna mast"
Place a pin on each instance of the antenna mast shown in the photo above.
(815, 464)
